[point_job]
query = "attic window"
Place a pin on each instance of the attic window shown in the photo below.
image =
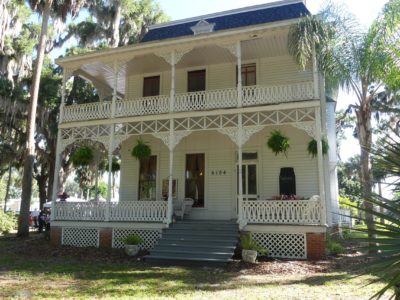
(202, 27)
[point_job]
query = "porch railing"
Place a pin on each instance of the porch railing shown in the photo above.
(195, 101)
(135, 211)
(300, 212)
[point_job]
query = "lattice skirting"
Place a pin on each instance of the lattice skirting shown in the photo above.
(80, 237)
(149, 236)
(283, 245)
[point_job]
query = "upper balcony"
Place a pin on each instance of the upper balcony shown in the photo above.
(192, 101)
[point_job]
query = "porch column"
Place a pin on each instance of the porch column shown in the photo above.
(58, 150)
(239, 68)
(171, 139)
(111, 144)
(240, 172)
(321, 179)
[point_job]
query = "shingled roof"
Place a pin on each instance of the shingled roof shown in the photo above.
(259, 14)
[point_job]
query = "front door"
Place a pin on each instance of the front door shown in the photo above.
(249, 181)
(194, 178)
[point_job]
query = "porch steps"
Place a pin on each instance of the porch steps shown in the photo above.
(198, 242)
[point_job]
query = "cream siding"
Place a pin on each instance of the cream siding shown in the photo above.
(220, 154)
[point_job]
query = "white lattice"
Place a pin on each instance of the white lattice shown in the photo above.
(87, 111)
(149, 236)
(80, 237)
(283, 245)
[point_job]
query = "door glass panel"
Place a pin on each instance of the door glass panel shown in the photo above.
(194, 178)
(148, 178)
(151, 86)
(252, 179)
(197, 81)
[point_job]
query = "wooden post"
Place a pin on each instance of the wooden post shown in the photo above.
(321, 179)
(240, 171)
(239, 70)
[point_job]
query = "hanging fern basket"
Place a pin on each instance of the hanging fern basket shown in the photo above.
(141, 151)
(278, 143)
(83, 156)
(313, 149)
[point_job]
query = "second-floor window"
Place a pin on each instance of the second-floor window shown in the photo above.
(197, 81)
(249, 75)
(151, 86)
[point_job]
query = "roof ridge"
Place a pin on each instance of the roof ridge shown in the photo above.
(226, 13)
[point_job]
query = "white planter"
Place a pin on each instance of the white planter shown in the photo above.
(131, 250)
(249, 255)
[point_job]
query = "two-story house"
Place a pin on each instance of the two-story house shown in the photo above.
(205, 93)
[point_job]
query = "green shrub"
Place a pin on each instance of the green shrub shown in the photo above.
(8, 222)
(132, 239)
(334, 247)
(248, 243)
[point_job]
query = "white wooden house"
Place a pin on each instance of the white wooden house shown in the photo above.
(179, 91)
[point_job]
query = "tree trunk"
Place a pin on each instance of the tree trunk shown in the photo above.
(51, 166)
(41, 183)
(365, 138)
(8, 187)
(115, 27)
(23, 219)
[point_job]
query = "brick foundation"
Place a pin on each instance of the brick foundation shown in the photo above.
(315, 246)
(105, 238)
(55, 236)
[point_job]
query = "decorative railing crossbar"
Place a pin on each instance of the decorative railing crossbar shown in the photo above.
(194, 101)
(307, 212)
(135, 211)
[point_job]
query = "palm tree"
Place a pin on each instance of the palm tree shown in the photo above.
(60, 9)
(361, 62)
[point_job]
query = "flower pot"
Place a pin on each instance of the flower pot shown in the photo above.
(249, 255)
(131, 250)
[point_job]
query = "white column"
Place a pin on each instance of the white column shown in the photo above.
(239, 70)
(315, 74)
(111, 143)
(57, 165)
(240, 171)
(170, 173)
(321, 179)
(171, 140)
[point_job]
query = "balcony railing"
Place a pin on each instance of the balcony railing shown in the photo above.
(299, 212)
(195, 101)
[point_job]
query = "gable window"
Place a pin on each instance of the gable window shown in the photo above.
(151, 86)
(197, 81)
(148, 178)
(249, 75)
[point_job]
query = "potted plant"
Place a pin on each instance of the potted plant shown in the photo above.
(141, 151)
(313, 149)
(250, 248)
(132, 242)
(278, 142)
(83, 156)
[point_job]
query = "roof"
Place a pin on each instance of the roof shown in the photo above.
(259, 14)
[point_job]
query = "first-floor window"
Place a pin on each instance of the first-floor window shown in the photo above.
(148, 178)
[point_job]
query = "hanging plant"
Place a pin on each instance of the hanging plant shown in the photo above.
(313, 149)
(141, 150)
(83, 156)
(278, 143)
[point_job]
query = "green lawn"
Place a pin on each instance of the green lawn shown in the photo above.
(32, 268)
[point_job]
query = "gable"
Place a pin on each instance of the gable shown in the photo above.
(229, 21)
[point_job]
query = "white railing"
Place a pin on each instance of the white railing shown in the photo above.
(301, 212)
(139, 211)
(205, 100)
(195, 101)
(79, 211)
(88, 111)
(135, 211)
(256, 95)
(143, 106)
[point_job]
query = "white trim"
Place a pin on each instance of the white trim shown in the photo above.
(177, 115)
(276, 228)
(226, 13)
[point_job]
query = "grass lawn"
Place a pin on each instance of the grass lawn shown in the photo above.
(32, 268)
